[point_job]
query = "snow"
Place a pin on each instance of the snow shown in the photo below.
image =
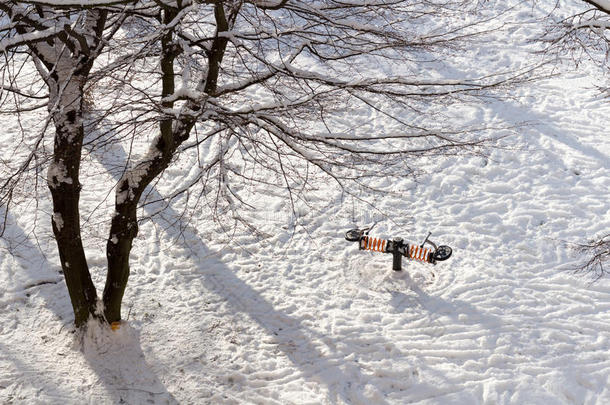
(57, 174)
(24, 38)
(605, 4)
(73, 3)
(594, 24)
(131, 179)
(305, 318)
(58, 220)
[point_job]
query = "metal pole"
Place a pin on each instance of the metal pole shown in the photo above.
(397, 256)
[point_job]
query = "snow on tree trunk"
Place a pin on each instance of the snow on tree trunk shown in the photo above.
(65, 106)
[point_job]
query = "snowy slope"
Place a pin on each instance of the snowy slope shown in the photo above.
(302, 317)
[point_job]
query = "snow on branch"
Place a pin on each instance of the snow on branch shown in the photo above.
(79, 3)
(30, 37)
(594, 24)
(370, 84)
(270, 5)
(602, 5)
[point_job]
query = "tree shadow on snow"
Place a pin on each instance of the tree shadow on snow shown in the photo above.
(21, 376)
(115, 357)
(325, 360)
(33, 269)
(460, 312)
(303, 346)
(123, 373)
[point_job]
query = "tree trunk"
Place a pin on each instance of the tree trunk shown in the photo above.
(124, 227)
(63, 181)
(123, 230)
(65, 60)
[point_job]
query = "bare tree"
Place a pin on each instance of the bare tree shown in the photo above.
(266, 93)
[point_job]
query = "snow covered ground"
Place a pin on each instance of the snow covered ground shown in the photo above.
(305, 318)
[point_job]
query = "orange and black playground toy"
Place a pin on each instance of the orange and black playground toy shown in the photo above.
(398, 248)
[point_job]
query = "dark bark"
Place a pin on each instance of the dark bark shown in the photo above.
(63, 181)
(69, 59)
(124, 226)
(66, 224)
(123, 229)
(219, 46)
